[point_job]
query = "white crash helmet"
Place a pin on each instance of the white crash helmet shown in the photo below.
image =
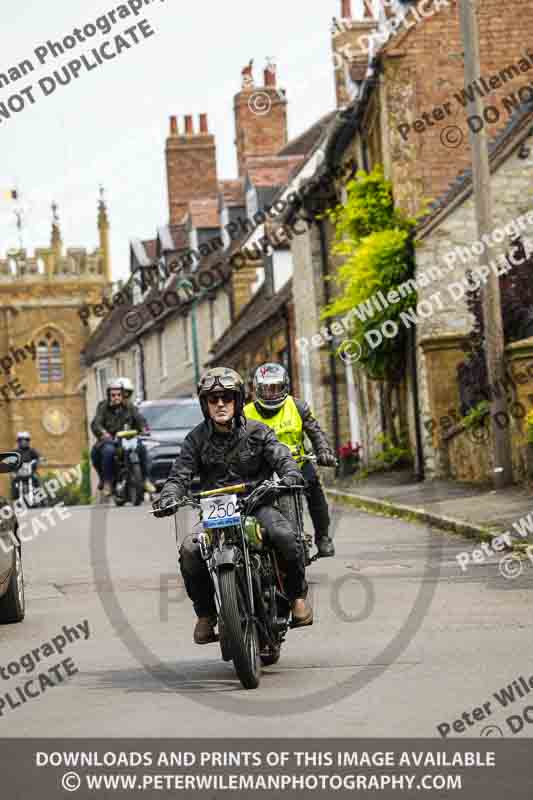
(127, 386)
(23, 435)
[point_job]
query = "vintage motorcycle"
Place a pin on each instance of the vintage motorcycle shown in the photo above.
(247, 574)
(23, 487)
(128, 483)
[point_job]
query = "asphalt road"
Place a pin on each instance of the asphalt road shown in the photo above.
(402, 641)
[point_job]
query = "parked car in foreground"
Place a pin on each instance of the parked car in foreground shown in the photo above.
(12, 603)
(169, 422)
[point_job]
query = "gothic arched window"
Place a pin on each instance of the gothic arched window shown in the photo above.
(49, 360)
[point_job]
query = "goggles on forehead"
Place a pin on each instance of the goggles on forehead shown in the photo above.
(225, 381)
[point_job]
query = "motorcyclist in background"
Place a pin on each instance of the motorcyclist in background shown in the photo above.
(27, 453)
(291, 419)
(223, 450)
(113, 415)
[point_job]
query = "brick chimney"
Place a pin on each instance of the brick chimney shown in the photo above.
(350, 42)
(191, 166)
(260, 117)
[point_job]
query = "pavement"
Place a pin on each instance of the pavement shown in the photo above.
(473, 510)
(403, 639)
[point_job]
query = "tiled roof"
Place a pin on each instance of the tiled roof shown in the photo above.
(109, 337)
(254, 314)
(150, 248)
(304, 143)
(266, 171)
(515, 130)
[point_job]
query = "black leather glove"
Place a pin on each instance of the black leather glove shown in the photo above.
(292, 480)
(165, 507)
(325, 458)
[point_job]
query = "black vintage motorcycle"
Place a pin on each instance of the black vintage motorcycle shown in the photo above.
(128, 483)
(247, 574)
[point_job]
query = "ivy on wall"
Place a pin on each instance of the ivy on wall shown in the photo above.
(375, 240)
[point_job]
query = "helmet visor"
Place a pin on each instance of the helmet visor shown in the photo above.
(272, 391)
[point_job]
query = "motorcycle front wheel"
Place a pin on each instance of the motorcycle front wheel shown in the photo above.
(240, 631)
(136, 485)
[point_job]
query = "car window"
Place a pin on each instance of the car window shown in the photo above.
(170, 417)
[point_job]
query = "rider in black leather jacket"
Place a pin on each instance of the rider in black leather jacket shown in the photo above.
(224, 449)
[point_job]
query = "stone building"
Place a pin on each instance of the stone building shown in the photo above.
(163, 343)
(42, 334)
(448, 247)
(402, 105)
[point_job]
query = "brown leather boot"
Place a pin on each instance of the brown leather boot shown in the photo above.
(204, 630)
(302, 614)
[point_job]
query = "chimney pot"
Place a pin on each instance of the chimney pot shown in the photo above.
(189, 130)
(203, 124)
(173, 126)
(270, 75)
(346, 12)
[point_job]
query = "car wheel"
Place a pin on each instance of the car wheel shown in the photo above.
(13, 604)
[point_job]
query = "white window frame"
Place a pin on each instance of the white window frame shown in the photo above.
(138, 369)
(101, 377)
(186, 326)
(161, 354)
(224, 222)
(251, 201)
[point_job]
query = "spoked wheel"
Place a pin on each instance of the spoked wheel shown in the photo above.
(136, 485)
(240, 632)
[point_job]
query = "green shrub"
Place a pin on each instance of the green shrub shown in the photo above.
(75, 493)
(391, 454)
(475, 416)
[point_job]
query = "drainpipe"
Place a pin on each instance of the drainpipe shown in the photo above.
(144, 393)
(194, 331)
(419, 463)
(332, 359)
(289, 344)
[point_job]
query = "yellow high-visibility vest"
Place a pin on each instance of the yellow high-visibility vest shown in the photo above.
(287, 425)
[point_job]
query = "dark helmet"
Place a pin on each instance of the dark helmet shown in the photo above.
(271, 385)
(220, 379)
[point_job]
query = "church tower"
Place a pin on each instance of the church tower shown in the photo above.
(41, 339)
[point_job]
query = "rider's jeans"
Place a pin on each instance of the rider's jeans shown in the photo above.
(196, 576)
(316, 502)
(97, 458)
(107, 460)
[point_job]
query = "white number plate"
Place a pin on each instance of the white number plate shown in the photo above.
(220, 512)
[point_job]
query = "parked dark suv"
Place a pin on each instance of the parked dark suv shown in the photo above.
(169, 422)
(12, 605)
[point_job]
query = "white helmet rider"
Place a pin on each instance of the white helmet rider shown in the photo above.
(127, 387)
(23, 439)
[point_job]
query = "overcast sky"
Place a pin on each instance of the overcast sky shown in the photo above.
(110, 125)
